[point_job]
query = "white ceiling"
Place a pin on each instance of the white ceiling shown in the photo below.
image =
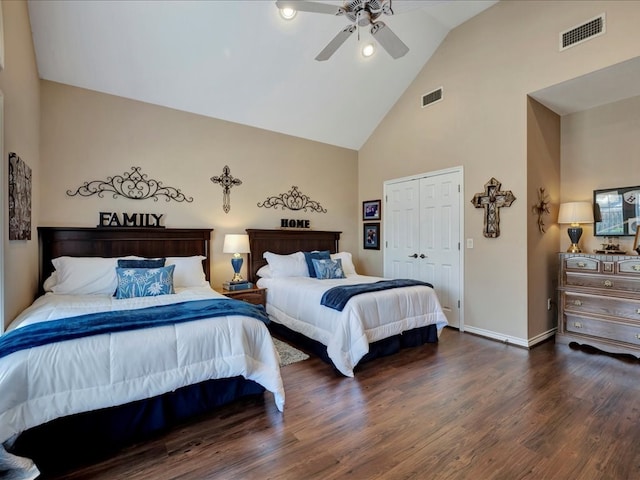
(239, 60)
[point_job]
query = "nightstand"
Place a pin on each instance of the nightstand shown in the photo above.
(257, 296)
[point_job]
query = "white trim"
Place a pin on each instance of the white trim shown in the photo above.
(509, 340)
(459, 170)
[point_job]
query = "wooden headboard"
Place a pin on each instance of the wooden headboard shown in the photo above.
(284, 242)
(119, 242)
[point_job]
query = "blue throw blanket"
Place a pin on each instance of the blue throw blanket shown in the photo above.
(116, 321)
(337, 297)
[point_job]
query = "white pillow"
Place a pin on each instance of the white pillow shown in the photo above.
(264, 272)
(292, 265)
(188, 271)
(50, 282)
(347, 262)
(85, 275)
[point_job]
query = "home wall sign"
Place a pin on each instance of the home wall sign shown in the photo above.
(147, 220)
(226, 181)
(293, 200)
(492, 200)
(19, 199)
(291, 223)
(134, 185)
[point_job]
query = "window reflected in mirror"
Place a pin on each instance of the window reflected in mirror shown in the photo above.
(616, 211)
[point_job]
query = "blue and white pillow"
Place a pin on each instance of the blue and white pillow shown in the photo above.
(144, 282)
(318, 255)
(327, 269)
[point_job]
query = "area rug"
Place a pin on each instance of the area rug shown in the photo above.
(288, 354)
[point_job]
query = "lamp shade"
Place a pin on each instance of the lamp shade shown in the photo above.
(575, 213)
(236, 243)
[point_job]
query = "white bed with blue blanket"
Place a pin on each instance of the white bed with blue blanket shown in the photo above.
(81, 350)
(315, 293)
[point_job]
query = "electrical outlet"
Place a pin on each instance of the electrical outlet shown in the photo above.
(548, 304)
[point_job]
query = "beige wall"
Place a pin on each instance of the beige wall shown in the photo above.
(91, 136)
(20, 86)
(599, 150)
(487, 66)
(543, 171)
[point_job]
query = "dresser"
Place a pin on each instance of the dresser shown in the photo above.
(599, 301)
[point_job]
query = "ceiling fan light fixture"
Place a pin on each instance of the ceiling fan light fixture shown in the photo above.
(288, 13)
(368, 49)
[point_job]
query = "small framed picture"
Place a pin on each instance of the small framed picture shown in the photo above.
(371, 210)
(371, 236)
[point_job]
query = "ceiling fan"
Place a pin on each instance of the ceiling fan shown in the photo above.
(362, 13)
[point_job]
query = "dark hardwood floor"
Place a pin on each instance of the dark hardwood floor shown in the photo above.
(467, 408)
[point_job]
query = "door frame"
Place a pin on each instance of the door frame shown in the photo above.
(459, 171)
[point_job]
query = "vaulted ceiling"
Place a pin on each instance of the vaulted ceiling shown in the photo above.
(240, 61)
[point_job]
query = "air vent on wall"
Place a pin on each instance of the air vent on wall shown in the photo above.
(432, 97)
(588, 30)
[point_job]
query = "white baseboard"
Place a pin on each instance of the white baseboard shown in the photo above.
(508, 339)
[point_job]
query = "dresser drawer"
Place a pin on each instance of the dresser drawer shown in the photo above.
(607, 282)
(582, 264)
(629, 267)
(620, 332)
(579, 303)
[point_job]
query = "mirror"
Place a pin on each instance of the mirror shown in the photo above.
(616, 211)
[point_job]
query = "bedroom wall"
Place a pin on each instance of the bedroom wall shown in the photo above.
(21, 91)
(487, 66)
(90, 136)
(599, 150)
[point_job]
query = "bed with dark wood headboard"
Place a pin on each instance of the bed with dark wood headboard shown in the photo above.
(92, 435)
(119, 242)
(284, 242)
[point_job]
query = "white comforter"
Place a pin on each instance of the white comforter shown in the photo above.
(43, 383)
(368, 317)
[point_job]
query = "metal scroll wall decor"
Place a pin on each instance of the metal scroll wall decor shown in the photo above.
(19, 199)
(293, 200)
(492, 199)
(134, 185)
(541, 208)
(226, 181)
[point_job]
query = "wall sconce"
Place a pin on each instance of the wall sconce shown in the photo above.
(575, 213)
(236, 244)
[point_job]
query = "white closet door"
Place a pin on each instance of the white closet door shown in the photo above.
(422, 231)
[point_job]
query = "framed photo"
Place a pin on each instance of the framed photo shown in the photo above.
(371, 210)
(371, 236)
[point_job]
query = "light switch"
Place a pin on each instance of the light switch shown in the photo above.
(469, 242)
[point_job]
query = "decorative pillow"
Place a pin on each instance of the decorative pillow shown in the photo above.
(318, 255)
(141, 263)
(327, 269)
(264, 272)
(188, 271)
(292, 265)
(347, 262)
(85, 275)
(144, 282)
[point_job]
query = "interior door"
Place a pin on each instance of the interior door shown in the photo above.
(422, 233)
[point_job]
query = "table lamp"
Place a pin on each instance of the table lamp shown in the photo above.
(575, 213)
(236, 244)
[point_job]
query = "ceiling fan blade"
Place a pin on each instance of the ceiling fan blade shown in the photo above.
(334, 44)
(302, 6)
(389, 40)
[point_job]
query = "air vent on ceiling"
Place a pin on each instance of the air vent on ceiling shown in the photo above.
(432, 97)
(588, 30)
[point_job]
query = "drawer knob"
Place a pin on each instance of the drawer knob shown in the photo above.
(608, 283)
(577, 303)
(582, 264)
(636, 268)
(638, 336)
(577, 324)
(638, 311)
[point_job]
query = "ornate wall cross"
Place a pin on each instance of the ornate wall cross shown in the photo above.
(492, 199)
(226, 181)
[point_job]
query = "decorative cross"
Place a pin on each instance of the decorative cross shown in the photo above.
(492, 199)
(226, 181)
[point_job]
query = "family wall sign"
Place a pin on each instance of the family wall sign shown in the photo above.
(146, 220)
